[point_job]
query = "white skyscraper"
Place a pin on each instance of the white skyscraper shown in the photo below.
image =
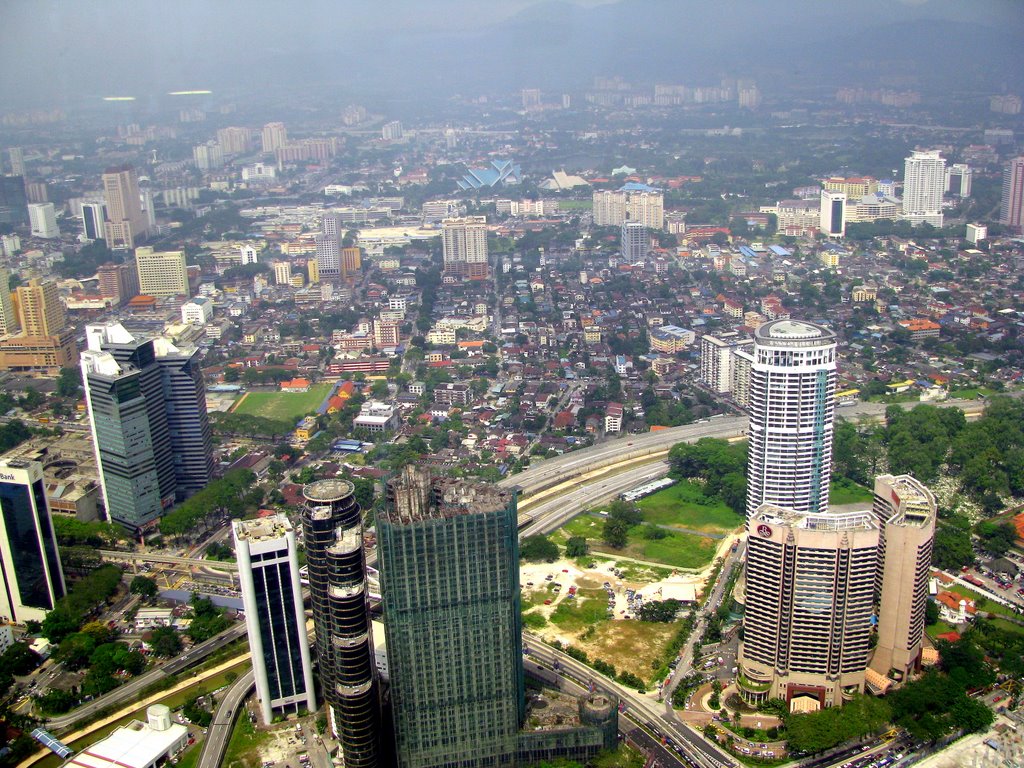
(635, 242)
(268, 571)
(93, 217)
(792, 405)
(832, 216)
(924, 181)
(43, 219)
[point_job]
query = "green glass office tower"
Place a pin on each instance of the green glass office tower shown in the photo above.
(449, 561)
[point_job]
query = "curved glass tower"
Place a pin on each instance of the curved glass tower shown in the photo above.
(333, 532)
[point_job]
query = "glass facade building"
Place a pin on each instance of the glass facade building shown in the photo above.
(449, 562)
(268, 571)
(332, 530)
(147, 407)
(32, 577)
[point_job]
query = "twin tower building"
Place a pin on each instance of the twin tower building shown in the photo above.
(817, 579)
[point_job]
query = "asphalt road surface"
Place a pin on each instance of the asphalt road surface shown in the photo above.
(219, 733)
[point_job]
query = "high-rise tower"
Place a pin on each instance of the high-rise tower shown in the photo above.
(905, 513)
(268, 571)
(94, 217)
(333, 534)
(792, 406)
(810, 584)
(1011, 207)
(449, 558)
(161, 273)
(464, 242)
(30, 567)
(832, 215)
(126, 224)
(147, 409)
(924, 180)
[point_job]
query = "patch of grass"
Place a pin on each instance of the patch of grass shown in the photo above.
(630, 646)
(1007, 626)
(283, 406)
(244, 745)
(939, 628)
(534, 621)
(843, 491)
(681, 550)
(685, 505)
(623, 757)
(190, 757)
(971, 393)
(578, 614)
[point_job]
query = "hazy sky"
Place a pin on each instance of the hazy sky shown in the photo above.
(60, 49)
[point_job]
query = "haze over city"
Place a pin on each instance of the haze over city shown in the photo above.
(525, 384)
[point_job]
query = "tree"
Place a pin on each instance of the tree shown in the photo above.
(144, 586)
(165, 641)
(615, 533)
(996, 537)
(69, 382)
(952, 545)
(538, 549)
(576, 546)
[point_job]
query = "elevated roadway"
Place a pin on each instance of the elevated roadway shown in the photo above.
(219, 733)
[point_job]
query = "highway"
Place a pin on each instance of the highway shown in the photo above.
(643, 709)
(219, 733)
(133, 688)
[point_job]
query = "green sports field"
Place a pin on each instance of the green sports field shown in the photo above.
(282, 406)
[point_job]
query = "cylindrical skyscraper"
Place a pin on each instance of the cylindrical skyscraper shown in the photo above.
(792, 406)
(333, 532)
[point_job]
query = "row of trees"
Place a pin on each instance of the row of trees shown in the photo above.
(81, 601)
(230, 494)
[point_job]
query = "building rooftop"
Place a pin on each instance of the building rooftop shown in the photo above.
(135, 745)
(416, 496)
(325, 491)
(272, 527)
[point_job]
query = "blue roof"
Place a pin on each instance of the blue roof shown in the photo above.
(747, 251)
(778, 250)
(635, 186)
(499, 170)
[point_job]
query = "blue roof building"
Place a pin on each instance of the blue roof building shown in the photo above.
(504, 171)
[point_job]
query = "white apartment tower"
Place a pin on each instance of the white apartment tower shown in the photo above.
(635, 242)
(274, 136)
(268, 571)
(792, 406)
(464, 241)
(717, 359)
(905, 513)
(924, 180)
(42, 217)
